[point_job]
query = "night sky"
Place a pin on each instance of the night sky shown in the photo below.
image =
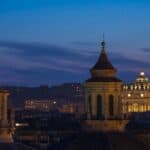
(56, 41)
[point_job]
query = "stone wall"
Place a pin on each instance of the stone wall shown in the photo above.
(106, 125)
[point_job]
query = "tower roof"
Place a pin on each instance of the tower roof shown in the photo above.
(103, 70)
(103, 60)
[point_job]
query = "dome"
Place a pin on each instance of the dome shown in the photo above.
(142, 78)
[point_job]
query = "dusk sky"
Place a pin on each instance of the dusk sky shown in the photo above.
(56, 41)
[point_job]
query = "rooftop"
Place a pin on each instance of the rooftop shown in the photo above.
(103, 60)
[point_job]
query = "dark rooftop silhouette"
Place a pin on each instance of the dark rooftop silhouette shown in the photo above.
(103, 79)
(103, 61)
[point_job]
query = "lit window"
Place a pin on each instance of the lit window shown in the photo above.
(139, 87)
(146, 79)
(142, 95)
(144, 107)
(141, 108)
(135, 107)
(129, 108)
(142, 73)
(129, 95)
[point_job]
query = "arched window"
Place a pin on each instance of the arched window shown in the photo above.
(135, 107)
(99, 106)
(130, 108)
(90, 104)
(111, 105)
(141, 108)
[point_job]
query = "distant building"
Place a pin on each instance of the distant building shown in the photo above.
(45, 128)
(40, 105)
(136, 96)
(76, 108)
(68, 108)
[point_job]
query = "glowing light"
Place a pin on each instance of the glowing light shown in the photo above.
(17, 124)
(142, 95)
(139, 87)
(129, 95)
(21, 124)
(142, 73)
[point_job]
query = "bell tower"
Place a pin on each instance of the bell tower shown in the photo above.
(103, 90)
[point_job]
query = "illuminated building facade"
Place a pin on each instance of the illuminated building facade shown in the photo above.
(136, 96)
(76, 108)
(40, 105)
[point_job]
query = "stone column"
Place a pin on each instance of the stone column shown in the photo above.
(94, 105)
(5, 110)
(0, 108)
(5, 136)
(87, 106)
(116, 105)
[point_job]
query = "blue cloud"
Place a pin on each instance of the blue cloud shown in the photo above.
(145, 50)
(36, 63)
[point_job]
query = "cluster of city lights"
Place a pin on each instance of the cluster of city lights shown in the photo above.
(142, 95)
(136, 87)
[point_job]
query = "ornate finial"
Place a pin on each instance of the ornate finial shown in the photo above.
(103, 44)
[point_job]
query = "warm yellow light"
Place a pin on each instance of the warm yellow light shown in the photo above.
(21, 124)
(139, 87)
(142, 95)
(129, 95)
(135, 107)
(17, 124)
